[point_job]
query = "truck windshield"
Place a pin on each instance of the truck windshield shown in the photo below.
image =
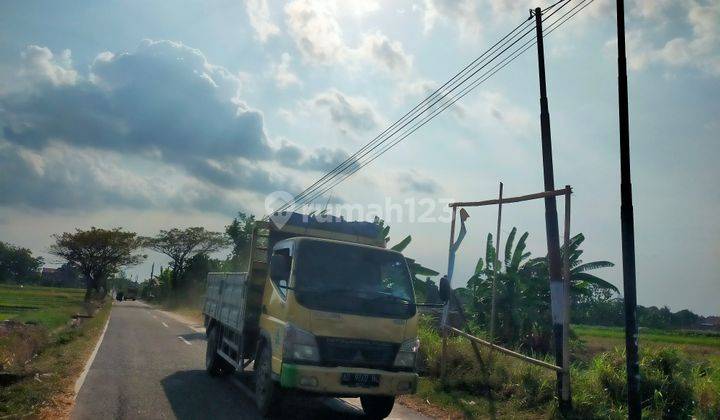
(335, 277)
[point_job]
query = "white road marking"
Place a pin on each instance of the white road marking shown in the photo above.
(185, 341)
(164, 324)
(81, 379)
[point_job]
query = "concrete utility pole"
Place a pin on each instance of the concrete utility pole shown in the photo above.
(551, 218)
(627, 227)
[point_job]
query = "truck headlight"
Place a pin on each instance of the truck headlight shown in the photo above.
(407, 353)
(300, 345)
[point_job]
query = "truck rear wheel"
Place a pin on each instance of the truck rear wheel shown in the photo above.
(214, 363)
(377, 406)
(266, 391)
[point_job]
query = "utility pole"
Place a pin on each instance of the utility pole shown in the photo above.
(627, 227)
(551, 220)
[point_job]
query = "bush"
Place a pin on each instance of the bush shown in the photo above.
(668, 388)
(673, 386)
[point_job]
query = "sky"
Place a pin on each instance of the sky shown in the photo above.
(149, 115)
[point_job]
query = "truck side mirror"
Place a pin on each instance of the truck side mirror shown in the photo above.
(444, 289)
(279, 267)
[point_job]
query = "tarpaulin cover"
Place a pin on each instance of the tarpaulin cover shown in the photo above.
(329, 223)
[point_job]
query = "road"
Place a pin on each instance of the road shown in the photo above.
(151, 366)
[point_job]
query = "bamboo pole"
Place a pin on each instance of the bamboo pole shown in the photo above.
(566, 298)
(446, 309)
(507, 200)
(496, 263)
(506, 351)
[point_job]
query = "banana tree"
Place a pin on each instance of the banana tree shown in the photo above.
(416, 269)
(522, 289)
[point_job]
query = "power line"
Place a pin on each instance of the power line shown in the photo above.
(354, 163)
(353, 158)
(418, 110)
(454, 99)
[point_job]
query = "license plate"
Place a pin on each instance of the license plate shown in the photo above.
(365, 380)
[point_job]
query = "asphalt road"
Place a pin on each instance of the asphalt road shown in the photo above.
(151, 366)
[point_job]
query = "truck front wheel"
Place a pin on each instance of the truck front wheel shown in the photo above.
(266, 391)
(377, 406)
(214, 363)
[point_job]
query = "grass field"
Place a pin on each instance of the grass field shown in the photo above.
(50, 307)
(681, 373)
(697, 338)
(40, 359)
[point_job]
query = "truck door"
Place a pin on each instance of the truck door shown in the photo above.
(273, 318)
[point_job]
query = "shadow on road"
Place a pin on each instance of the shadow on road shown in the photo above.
(194, 394)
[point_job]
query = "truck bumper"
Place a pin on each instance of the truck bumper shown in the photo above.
(327, 380)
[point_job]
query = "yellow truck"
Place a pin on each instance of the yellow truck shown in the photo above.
(324, 309)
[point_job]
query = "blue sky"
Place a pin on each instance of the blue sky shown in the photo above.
(150, 115)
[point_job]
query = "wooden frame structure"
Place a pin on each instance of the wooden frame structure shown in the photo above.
(560, 301)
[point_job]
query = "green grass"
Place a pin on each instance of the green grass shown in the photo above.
(46, 390)
(696, 338)
(50, 307)
(681, 373)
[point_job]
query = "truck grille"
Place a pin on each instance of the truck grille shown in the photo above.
(359, 353)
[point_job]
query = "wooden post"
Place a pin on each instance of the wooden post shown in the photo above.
(446, 308)
(566, 297)
(496, 263)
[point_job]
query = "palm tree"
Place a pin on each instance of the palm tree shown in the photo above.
(522, 289)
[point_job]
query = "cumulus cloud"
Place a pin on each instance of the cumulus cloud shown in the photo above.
(314, 26)
(699, 48)
(389, 54)
(40, 64)
(63, 177)
(164, 103)
(414, 182)
(316, 31)
(348, 113)
(282, 74)
(464, 13)
(259, 16)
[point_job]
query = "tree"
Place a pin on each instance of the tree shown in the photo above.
(424, 290)
(17, 265)
(523, 290)
(240, 231)
(98, 254)
(183, 244)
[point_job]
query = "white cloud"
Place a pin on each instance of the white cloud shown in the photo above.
(315, 28)
(40, 64)
(699, 49)
(282, 74)
(259, 16)
(163, 103)
(348, 113)
(389, 54)
(464, 13)
(316, 31)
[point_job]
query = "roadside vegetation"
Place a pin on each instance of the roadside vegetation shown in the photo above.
(675, 384)
(46, 335)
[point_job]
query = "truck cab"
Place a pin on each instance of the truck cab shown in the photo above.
(330, 311)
